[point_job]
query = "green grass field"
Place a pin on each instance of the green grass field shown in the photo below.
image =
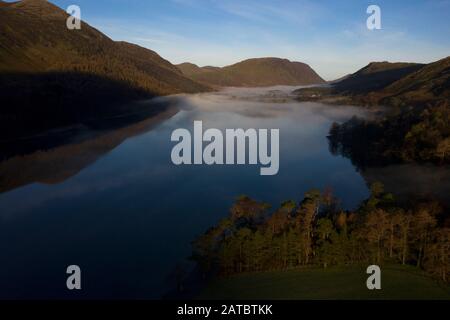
(397, 282)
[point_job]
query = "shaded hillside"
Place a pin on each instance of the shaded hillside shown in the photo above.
(361, 87)
(256, 72)
(52, 76)
(35, 39)
(416, 130)
(399, 84)
(375, 76)
(32, 102)
(392, 84)
(415, 135)
(429, 84)
(339, 79)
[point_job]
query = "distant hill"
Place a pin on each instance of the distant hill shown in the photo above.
(385, 83)
(399, 84)
(339, 79)
(428, 84)
(418, 129)
(375, 76)
(190, 69)
(258, 72)
(52, 76)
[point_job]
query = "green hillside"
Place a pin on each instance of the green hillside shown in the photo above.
(51, 76)
(397, 282)
(375, 76)
(429, 84)
(257, 72)
(35, 39)
(386, 83)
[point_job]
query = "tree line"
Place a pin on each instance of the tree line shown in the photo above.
(316, 232)
(415, 135)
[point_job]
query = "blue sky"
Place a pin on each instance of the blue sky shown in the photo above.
(331, 36)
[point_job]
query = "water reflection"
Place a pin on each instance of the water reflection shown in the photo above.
(409, 181)
(57, 164)
(117, 206)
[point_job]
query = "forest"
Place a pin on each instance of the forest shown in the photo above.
(415, 135)
(317, 232)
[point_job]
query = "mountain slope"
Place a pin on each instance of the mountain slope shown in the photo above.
(256, 72)
(375, 76)
(191, 70)
(34, 38)
(429, 84)
(399, 84)
(51, 76)
(385, 83)
(418, 129)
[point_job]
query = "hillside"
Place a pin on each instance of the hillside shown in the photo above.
(52, 76)
(258, 72)
(190, 69)
(418, 129)
(375, 76)
(391, 84)
(430, 84)
(35, 39)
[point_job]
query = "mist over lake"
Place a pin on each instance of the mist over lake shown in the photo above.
(117, 206)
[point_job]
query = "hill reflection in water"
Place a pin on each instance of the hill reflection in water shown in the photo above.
(112, 201)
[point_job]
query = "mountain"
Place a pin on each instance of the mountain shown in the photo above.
(257, 72)
(375, 76)
(385, 83)
(417, 129)
(35, 39)
(430, 84)
(399, 84)
(339, 79)
(190, 69)
(52, 76)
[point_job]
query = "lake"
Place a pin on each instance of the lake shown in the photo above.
(111, 201)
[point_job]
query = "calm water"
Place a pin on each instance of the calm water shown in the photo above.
(116, 205)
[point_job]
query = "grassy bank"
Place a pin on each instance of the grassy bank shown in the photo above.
(398, 282)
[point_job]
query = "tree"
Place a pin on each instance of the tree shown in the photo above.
(242, 238)
(394, 220)
(329, 202)
(404, 229)
(324, 231)
(423, 223)
(341, 221)
(306, 215)
(376, 191)
(443, 149)
(204, 247)
(248, 209)
(377, 225)
(437, 261)
(259, 251)
(279, 220)
(288, 239)
(294, 247)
